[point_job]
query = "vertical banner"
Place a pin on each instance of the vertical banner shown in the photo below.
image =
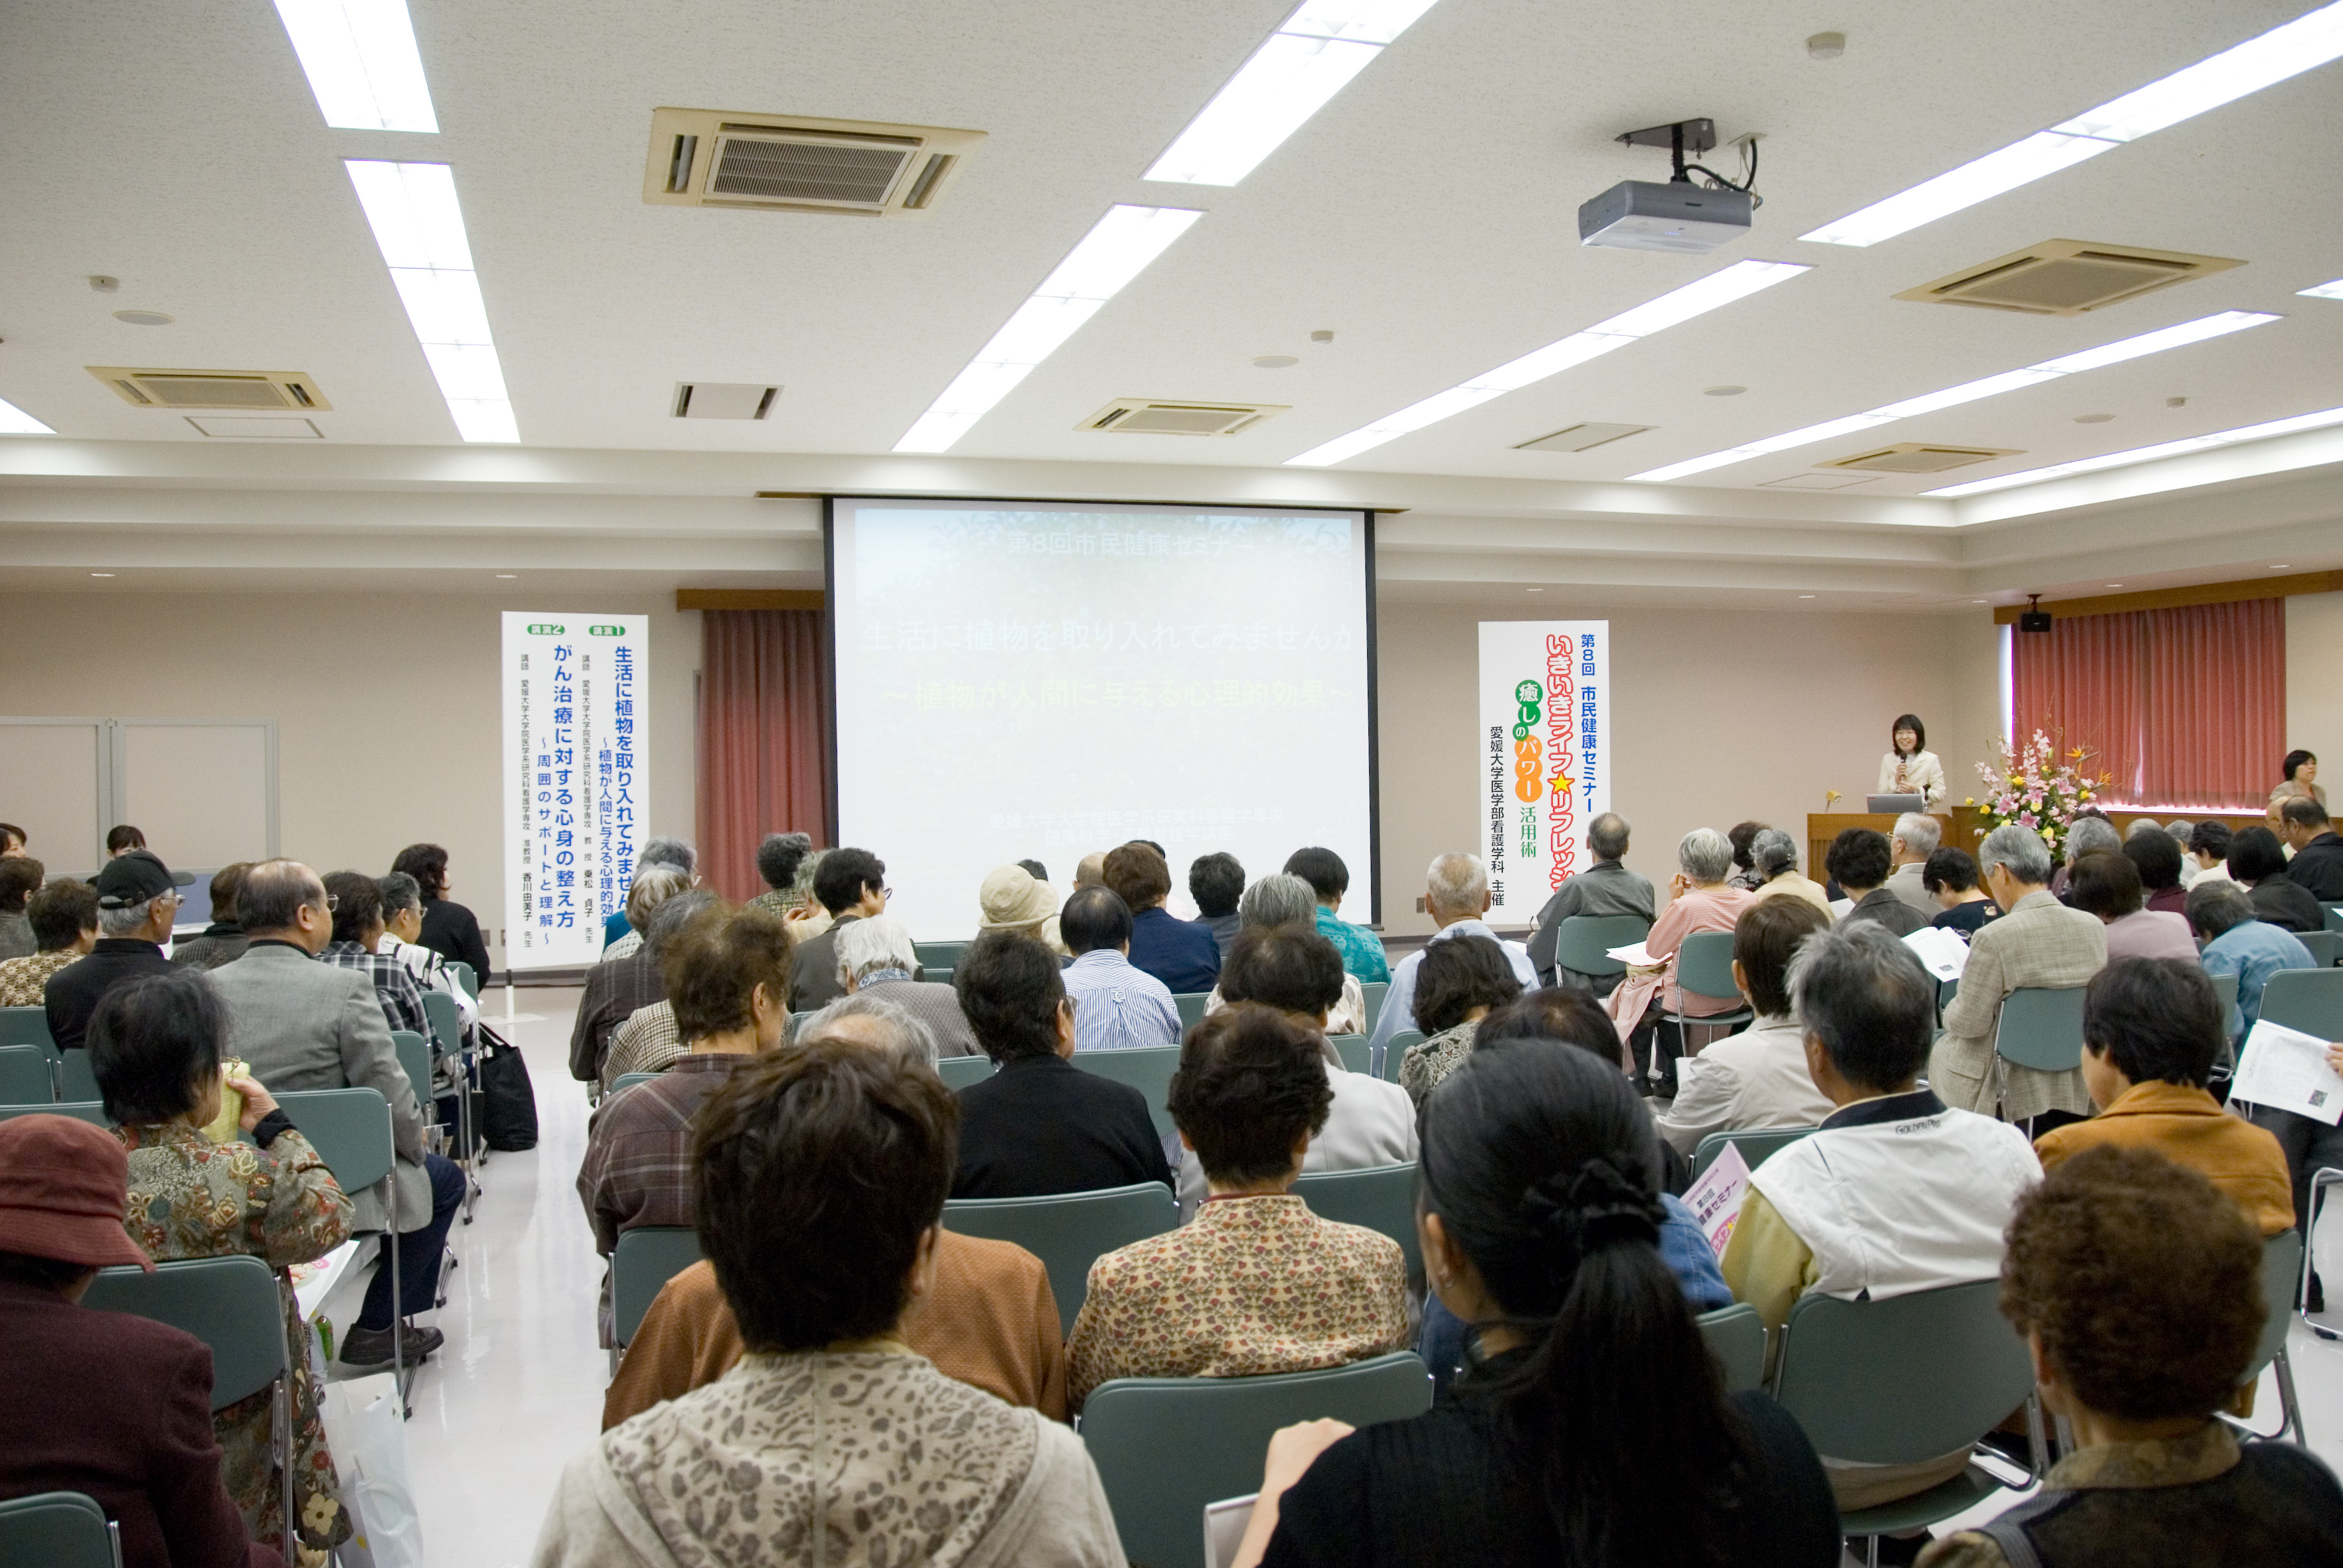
(1545, 727)
(577, 788)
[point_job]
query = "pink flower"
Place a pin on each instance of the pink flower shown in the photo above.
(2026, 821)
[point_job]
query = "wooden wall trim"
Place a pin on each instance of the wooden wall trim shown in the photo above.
(2173, 598)
(748, 598)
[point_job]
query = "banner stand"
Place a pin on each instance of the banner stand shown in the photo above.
(1545, 722)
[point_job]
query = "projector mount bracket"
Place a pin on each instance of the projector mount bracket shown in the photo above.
(1697, 137)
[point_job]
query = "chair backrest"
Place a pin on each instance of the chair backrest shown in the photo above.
(75, 1081)
(229, 1303)
(58, 1530)
(648, 1256)
(1705, 966)
(2308, 999)
(1735, 1336)
(1191, 1004)
(1583, 942)
(1380, 1197)
(959, 1072)
(934, 956)
(26, 1026)
(465, 978)
(25, 1075)
(1069, 1231)
(447, 1019)
(1396, 1052)
(629, 1079)
(2326, 947)
(1165, 1447)
(415, 1056)
(2334, 916)
(2281, 1276)
(350, 1131)
(2041, 1027)
(89, 1111)
(1373, 992)
(1352, 1050)
(795, 1020)
(1898, 1381)
(1148, 1069)
(1758, 1144)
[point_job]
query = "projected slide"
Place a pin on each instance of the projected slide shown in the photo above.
(1017, 682)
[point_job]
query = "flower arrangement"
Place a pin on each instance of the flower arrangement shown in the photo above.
(2036, 789)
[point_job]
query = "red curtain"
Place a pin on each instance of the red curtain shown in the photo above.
(2183, 707)
(764, 759)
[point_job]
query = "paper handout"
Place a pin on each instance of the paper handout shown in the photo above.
(1634, 954)
(1715, 1199)
(2287, 1070)
(1941, 951)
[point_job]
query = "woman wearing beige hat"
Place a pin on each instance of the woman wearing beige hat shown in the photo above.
(1011, 900)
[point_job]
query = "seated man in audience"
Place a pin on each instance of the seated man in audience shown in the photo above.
(223, 942)
(2152, 1032)
(1329, 879)
(356, 902)
(300, 1024)
(1298, 972)
(1951, 878)
(137, 898)
(1455, 895)
(1180, 953)
(1224, 1295)
(2239, 942)
(1089, 872)
(1283, 899)
(20, 879)
(622, 933)
(2037, 942)
(1858, 863)
(821, 1174)
(1459, 984)
(2106, 884)
(851, 885)
(1040, 1124)
(402, 923)
(2139, 1290)
(1757, 1077)
(1216, 881)
(646, 1041)
(2208, 852)
(2318, 863)
(876, 955)
(617, 987)
(1896, 1193)
(1117, 1007)
(2157, 860)
(2257, 862)
(1605, 888)
(1915, 839)
(63, 917)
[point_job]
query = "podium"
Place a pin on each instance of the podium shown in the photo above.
(1958, 827)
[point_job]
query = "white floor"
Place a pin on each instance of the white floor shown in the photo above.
(518, 1388)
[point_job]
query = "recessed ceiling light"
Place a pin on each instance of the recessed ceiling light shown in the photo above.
(1980, 601)
(2115, 585)
(2318, 421)
(420, 227)
(143, 318)
(2282, 51)
(2114, 353)
(1723, 391)
(2281, 566)
(1697, 297)
(1534, 590)
(1290, 78)
(101, 574)
(362, 63)
(2093, 418)
(1276, 362)
(1806, 596)
(15, 421)
(508, 576)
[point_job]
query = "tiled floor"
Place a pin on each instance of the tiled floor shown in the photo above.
(518, 1388)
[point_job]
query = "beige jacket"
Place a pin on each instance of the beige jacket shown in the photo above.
(2041, 942)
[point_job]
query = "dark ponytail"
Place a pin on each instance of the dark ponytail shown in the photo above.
(1542, 1166)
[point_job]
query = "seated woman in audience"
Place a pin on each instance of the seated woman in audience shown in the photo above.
(1950, 876)
(2138, 1288)
(1757, 1077)
(113, 1407)
(64, 915)
(402, 922)
(1860, 861)
(2258, 861)
(449, 929)
(1287, 898)
(1745, 875)
(1699, 901)
(2106, 884)
(1013, 899)
(876, 955)
(1256, 1283)
(821, 1175)
(2157, 856)
(1540, 1225)
(779, 856)
(155, 1048)
(1775, 854)
(223, 942)
(2088, 834)
(20, 879)
(1298, 971)
(2209, 851)
(1460, 982)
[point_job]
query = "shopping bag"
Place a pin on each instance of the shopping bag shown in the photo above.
(367, 1436)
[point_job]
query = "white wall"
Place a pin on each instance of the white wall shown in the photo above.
(2314, 682)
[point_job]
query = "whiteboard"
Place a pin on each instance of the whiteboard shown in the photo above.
(204, 791)
(56, 780)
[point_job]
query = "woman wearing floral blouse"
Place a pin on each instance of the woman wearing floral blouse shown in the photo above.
(153, 1046)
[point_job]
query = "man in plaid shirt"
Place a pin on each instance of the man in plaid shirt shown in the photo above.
(355, 900)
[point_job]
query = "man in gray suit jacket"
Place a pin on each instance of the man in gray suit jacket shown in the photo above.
(301, 1024)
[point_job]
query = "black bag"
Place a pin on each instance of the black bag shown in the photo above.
(508, 1101)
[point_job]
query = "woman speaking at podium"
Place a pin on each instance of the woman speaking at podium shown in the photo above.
(1910, 768)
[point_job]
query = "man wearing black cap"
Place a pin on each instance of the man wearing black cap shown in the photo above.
(137, 899)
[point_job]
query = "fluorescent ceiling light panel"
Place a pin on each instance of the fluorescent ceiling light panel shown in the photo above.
(1290, 78)
(362, 63)
(1117, 249)
(15, 421)
(2299, 46)
(2218, 325)
(2262, 432)
(2323, 291)
(1697, 297)
(420, 227)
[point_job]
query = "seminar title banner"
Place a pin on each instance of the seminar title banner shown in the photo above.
(1546, 725)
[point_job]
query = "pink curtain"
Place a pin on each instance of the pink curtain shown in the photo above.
(2183, 707)
(764, 759)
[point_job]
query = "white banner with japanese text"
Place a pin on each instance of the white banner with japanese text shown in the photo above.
(1545, 738)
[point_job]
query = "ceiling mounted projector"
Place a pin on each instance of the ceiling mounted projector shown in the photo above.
(1682, 216)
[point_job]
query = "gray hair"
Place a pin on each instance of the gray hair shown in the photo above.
(651, 888)
(400, 894)
(866, 947)
(1773, 852)
(1280, 898)
(1606, 836)
(674, 852)
(1456, 885)
(672, 915)
(1919, 831)
(2141, 828)
(2182, 830)
(124, 922)
(2216, 905)
(2018, 850)
(2089, 835)
(1865, 996)
(907, 1037)
(1706, 855)
(274, 894)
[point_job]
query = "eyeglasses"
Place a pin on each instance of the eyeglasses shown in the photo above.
(333, 903)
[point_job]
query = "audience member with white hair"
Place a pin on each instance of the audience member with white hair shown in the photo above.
(1456, 895)
(652, 886)
(1605, 888)
(663, 854)
(1279, 899)
(2088, 833)
(1916, 838)
(402, 922)
(620, 985)
(1699, 901)
(1774, 855)
(876, 955)
(649, 1039)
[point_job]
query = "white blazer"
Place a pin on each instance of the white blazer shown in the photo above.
(1923, 776)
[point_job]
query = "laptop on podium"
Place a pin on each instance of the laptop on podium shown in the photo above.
(1898, 804)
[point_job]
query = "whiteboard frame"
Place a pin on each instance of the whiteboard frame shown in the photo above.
(118, 760)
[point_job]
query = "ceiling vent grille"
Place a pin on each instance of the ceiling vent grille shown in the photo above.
(1582, 438)
(781, 163)
(2066, 278)
(1915, 457)
(1143, 417)
(272, 389)
(724, 399)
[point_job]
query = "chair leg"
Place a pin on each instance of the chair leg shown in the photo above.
(281, 1416)
(2289, 1405)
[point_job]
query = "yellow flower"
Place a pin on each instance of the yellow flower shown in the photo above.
(2077, 754)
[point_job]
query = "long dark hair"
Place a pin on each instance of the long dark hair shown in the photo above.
(1910, 721)
(1544, 1167)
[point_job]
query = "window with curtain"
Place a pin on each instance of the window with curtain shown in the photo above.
(2183, 707)
(764, 756)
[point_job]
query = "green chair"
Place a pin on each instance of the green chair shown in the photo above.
(2326, 947)
(1380, 1197)
(1758, 1144)
(2282, 1274)
(447, 1021)
(2041, 1027)
(26, 1026)
(58, 1530)
(629, 1079)
(465, 978)
(1069, 1231)
(1148, 1069)
(1705, 969)
(75, 1078)
(2310, 1000)
(415, 1056)
(795, 1020)
(350, 1131)
(1352, 1050)
(25, 1075)
(944, 956)
(1735, 1336)
(1583, 942)
(88, 1111)
(1396, 1052)
(959, 1072)
(2334, 916)
(1899, 1381)
(1166, 1447)
(648, 1256)
(2225, 986)
(1373, 992)
(1192, 1008)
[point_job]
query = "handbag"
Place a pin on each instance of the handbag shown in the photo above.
(367, 1439)
(508, 1098)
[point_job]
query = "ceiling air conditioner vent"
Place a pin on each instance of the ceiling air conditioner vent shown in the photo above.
(724, 399)
(782, 163)
(1580, 438)
(2066, 278)
(1914, 458)
(1141, 417)
(273, 390)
